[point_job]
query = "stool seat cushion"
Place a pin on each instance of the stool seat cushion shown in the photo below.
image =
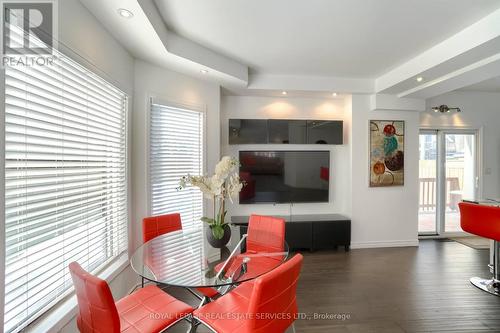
(480, 220)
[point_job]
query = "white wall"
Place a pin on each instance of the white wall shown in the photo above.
(251, 107)
(383, 216)
(176, 88)
(380, 216)
(480, 110)
(83, 38)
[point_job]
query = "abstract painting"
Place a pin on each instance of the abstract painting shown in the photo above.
(387, 138)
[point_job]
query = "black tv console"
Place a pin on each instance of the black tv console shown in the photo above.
(313, 231)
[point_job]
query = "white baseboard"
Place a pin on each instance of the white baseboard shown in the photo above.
(367, 245)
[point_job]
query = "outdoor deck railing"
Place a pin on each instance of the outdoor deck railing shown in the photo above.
(428, 192)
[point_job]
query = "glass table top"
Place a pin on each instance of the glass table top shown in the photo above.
(183, 258)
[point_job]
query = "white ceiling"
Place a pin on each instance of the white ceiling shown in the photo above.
(141, 39)
(343, 38)
(492, 85)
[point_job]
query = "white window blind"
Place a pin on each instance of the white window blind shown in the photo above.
(176, 149)
(65, 185)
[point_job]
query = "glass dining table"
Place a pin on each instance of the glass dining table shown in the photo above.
(182, 259)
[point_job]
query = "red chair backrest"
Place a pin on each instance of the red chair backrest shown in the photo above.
(274, 293)
(265, 234)
(97, 310)
(480, 220)
(158, 225)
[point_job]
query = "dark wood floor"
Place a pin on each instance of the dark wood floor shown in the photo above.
(424, 289)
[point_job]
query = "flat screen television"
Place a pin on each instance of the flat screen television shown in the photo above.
(284, 176)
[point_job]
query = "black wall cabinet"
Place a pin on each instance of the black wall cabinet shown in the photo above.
(245, 131)
(325, 132)
(285, 131)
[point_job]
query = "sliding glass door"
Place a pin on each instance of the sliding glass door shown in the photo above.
(427, 174)
(447, 175)
(460, 174)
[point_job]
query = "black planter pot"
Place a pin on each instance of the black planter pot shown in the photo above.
(218, 243)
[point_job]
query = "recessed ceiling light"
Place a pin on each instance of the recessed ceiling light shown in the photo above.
(420, 79)
(334, 94)
(284, 92)
(125, 13)
(203, 71)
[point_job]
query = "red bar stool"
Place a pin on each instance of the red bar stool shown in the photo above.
(484, 221)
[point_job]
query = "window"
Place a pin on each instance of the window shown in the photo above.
(176, 149)
(65, 185)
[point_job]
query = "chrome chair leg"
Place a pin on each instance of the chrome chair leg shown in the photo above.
(293, 327)
(193, 324)
(203, 301)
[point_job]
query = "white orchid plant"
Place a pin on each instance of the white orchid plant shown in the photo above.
(224, 184)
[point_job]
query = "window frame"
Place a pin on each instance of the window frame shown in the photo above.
(2, 202)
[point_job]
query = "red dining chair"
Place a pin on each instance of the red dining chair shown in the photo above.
(484, 221)
(158, 225)
(154, 226)
(264, 234)
(268, 304)
(146, 310)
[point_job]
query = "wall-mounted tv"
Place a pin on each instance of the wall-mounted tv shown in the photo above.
(284, 176)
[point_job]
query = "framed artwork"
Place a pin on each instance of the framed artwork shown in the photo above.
(387, 164)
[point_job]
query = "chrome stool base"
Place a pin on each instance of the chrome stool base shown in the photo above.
(491, 286)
